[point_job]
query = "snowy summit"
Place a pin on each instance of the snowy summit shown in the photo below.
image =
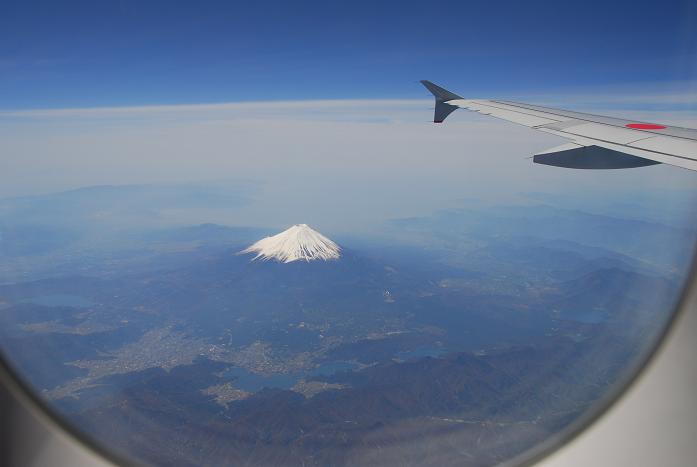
(299, 242)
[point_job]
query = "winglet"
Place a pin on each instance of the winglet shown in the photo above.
(442, 96)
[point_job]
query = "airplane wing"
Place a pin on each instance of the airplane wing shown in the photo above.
(597, 142)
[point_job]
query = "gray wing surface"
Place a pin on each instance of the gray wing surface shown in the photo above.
(596, 142)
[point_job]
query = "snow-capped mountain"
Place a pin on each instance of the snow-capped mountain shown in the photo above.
(299, 242)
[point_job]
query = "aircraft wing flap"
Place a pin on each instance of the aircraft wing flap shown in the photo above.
(560, 148)
(643, 152)
(658, 156)
(675, 146)
(604, 132)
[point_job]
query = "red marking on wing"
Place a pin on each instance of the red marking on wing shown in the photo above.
(645, 126)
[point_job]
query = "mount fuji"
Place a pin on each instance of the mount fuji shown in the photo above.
(298, 243)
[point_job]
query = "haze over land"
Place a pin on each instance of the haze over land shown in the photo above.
(115, 308)
(341, 166)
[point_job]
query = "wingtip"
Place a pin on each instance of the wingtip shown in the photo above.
(442, 96)
(439, 92)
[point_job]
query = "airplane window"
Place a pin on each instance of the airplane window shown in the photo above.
(232, 235)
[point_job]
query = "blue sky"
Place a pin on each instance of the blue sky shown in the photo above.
(121, 92)
(83, 54)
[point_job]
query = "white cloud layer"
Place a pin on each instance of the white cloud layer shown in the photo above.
(318, 162)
